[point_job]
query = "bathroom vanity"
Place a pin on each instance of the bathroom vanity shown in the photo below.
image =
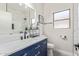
(28, 47)
(37, 49)
(17, 23)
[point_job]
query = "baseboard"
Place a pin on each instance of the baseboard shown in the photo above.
(64, 53)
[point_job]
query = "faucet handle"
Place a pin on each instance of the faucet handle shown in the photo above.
(21, 38)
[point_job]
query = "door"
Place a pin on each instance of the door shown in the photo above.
(76, 29)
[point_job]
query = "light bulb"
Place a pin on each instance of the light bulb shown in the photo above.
(29, 5)
(20, 4)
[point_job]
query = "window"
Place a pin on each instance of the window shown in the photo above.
(33, 21)
(61, 19)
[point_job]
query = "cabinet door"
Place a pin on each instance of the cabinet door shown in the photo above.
(33, 50)
(41, 48)
(44, 48)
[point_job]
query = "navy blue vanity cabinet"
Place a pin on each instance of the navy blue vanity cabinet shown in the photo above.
(44, 47)
(37, 49)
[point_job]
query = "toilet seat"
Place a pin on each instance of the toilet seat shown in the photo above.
(50, 45)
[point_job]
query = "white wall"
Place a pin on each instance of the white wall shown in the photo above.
(75, 23)
(54, 34)
(3, 6)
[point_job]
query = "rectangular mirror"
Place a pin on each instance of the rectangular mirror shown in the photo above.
(20, 12)
(34, 28)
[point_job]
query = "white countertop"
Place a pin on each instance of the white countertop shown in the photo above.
(11, 47)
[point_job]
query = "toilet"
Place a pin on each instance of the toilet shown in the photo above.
(50, 48)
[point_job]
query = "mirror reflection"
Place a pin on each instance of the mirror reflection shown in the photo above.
(23, 19)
